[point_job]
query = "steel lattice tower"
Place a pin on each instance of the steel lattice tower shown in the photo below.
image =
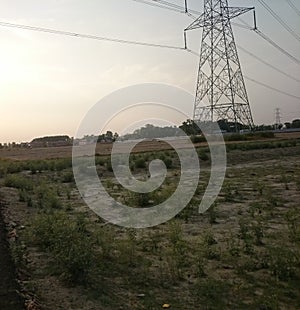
(277, 118)
(221, 93)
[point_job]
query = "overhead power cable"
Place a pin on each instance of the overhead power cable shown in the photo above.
(158, 5)
(87, 36)
(282, 50)
(258, 82)
(180, 9)
(272, 88)
(292, 5)
(173, 5)
(245, 25)
(167, 5)
(280, 20)
(270, 41)
(268, 64)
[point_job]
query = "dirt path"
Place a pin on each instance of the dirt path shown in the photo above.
(9, 299)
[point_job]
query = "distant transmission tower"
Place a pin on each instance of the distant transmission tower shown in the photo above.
(277, 118)
(221, 93)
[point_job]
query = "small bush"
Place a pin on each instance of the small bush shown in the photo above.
(68, 177)
(14, 167)
(48, 198)
(140, 163)
(198, 139)
(61, 164)
(212, 213)
(168, 162)
(203, 155)
(68, 242)
(293, 219)
(23, 195)
(19, 182)
(177, 254)
(283, 262)
(211, 293)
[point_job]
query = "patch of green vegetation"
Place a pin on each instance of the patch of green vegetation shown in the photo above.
(67, 239)
(19, 182)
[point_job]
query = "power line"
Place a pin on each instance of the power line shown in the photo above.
(292, 5)
(168, 6)
(258, 82)
(282, 50)
(268, 64)
(272, 88)
(270, 41)
(180, 9)
(158, 5)
(167, 3)
(280, 20)
(175, 6)
(245, 26)
(87, 36)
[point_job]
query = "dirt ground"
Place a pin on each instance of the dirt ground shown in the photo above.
(9, 298)
(261, 186)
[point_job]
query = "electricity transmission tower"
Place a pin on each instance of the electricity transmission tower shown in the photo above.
(277, 118)
(221, 93)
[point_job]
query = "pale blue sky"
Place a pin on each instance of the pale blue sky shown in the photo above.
(48, 82)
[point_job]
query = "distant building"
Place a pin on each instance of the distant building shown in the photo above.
(51, 141)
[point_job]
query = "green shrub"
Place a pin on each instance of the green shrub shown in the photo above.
(3, 171)
(48, 198)
(293, 219)
(23, 195)
(100, 161)
(212, 213)
(19, 182)
(177, 253)
(61, 164)
(211, 293)
(140, 163)
(14, 167)
(233, 246)
(203, 155)
(68, 177)
(235, 137)
(128, 249)
(198, 139)
(283, 262)
(69, 243)
(264, 134)
(168, 162)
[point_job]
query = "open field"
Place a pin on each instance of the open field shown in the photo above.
(243, 253)
(104, 149)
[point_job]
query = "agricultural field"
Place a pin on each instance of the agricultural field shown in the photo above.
(243, 253)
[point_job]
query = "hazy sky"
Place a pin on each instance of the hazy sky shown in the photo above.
(48, 82)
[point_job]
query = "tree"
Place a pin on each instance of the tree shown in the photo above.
(109, 134)
(116, 136)
(288, 125)
(296, 123)
(190, 127)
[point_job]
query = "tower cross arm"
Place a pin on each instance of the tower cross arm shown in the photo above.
(198, 23)
(216, 17)
(233, 12)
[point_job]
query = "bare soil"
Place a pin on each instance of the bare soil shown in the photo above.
(9, 297)
(261, 186)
